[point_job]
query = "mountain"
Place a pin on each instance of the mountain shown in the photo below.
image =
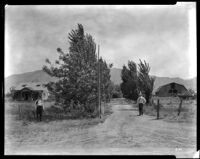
(116, 75)
(41, 76)
(35, 76)
(159, 81)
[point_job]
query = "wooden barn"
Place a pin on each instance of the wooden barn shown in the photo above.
(171, 89)
(29, 91)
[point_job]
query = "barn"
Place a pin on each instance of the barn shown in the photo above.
(171, 89)
(29, 91)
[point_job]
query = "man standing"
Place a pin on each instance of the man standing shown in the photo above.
(141, 101)
(39, 108)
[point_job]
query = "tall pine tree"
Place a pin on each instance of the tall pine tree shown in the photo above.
(77, 71)
(129, 81)
(146, 82)
(135, 80)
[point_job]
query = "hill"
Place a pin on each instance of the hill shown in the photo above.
(116, 75)
(159, 81)
(35, 76)
(41, 76)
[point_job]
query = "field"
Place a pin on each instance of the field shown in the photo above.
(21, 126)
(121, 131)
(169, 109)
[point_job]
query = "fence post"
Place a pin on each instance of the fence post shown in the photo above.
(180, 105)
(158, 105)
(19, 110)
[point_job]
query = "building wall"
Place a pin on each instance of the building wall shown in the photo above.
(26, 95)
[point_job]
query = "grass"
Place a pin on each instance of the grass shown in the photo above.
(169, 110)
(23, 110)
(54, 127)
(26, 111)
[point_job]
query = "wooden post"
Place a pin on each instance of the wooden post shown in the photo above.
(158, 103)
(180, 105)
(100, 80)
(99, 106)
(19, 110)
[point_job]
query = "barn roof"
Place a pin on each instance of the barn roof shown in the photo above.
(31, 86)
(158, 89)
(186, 94)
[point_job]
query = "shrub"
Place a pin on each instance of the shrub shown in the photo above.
(77, 73)
(116, 95)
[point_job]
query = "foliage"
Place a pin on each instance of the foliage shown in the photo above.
(191, 91)
(135, 80)
(77, 72)
(116, 91)
(145, 81)
(129, 81)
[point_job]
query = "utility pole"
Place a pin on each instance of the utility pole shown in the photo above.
(158, 107)
(99, 86)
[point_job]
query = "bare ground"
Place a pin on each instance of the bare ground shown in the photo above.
(122, 133)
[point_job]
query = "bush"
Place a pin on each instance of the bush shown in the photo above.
(116, 95)
(80, 68)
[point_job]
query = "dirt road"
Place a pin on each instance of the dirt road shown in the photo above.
(123, 133)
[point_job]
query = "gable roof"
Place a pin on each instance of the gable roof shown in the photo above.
(158, 89)
(186, 94)
(31, 86)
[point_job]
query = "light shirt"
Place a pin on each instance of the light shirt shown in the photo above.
(39, 103)
(141, 100)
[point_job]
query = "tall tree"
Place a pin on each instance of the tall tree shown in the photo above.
(129, 81)
(146, 82)
(136, 79)
(76, 70)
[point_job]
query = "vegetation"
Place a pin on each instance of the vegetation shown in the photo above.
(146, 82)
(116, 91)
(135, 80)
(25, 111)
(129, 85)
(77, 73)
(169, 109)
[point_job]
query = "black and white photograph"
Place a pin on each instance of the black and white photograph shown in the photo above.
(100, 80)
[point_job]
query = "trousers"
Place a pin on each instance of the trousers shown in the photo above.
(39, 111)
(140, 109)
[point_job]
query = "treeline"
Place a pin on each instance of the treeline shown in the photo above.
(77, 71)
(136, 79)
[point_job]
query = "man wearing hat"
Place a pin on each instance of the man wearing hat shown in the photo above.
(141, 101)
(39, 108)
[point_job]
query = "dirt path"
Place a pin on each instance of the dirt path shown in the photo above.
(124, 132)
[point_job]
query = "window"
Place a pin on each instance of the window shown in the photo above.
(172, 85)
(38, 85)
(170, 91)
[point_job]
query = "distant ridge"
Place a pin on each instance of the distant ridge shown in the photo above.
(41, 76)
(116, 75)
(159, 81)
(35, 76)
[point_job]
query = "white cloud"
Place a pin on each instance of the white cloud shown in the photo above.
(158, 35)
(192, 42)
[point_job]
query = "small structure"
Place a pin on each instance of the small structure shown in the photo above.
(185, 95)
(171, 89)
(29, 91)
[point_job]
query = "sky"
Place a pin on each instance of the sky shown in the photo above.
(164, 36)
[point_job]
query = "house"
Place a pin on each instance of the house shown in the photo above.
(29, 91)
(171, 89)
